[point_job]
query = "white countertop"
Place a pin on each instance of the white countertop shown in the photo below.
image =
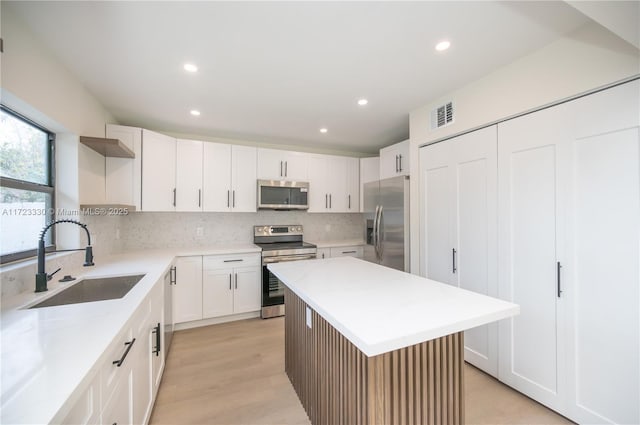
(380, 309)
(338, 243)
(49, 352)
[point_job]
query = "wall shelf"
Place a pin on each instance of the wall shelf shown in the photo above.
(108, 147)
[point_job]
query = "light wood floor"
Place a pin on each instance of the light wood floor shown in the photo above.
(234, 374)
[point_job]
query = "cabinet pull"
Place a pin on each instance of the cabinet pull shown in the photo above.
(173, 274)
(558, 267)
(236, 280)
(174, 196)
(128, 344)
(326, 200)
(329, 201)
(199, 198)
(234, 199)
(349, 252)
(400, 163)
(228, 199)
(229, 281)
(233, 261)
(349, 201)
(453, 259)
(156, 330)
(280, 168)
(286, 171)
(396, 163)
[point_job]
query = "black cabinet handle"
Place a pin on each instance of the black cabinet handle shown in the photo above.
(174, 196)
(233, 261)
(396, 163)
(558, 267)
(326, 200)
(349, 252)
(236, 275)
(228, 199)
(329, 201)
(173, 275)
(349, 201)
(280, 168)
(128, 344)
(453, 259)
(286, 166)
(156, 330)
(229, 281)
(234, 199)
(199, 198)
(400, 163)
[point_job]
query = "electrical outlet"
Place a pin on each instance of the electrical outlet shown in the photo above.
(199, 232)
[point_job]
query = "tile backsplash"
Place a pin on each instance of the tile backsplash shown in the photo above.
(147, 230)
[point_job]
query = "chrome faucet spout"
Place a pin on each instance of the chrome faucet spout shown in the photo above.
(41, 276)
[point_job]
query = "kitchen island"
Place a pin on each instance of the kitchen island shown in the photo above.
(366, 344)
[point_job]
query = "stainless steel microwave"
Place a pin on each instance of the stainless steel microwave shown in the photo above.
(283, 195)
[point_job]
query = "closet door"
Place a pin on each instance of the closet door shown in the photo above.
(459, 226)
(603, 274)
(474, 232)
(530, 198)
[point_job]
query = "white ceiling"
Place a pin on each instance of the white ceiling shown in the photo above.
(277, 72)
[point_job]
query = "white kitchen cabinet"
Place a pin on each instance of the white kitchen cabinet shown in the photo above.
(229, 178)
(187, 292)
(458, 217)
(322, 253)
(394, 160)
(158, 172)
(142, 390)
(155, 330)
(569, 191)
(118, 409)
(86, 410)
(117, 378)
(231, 284)
(369, 172)
(353, 185)
(188, 182)
(274, 164)
(123, 176)
(329, 184)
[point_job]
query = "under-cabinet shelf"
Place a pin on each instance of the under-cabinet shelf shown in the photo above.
(108, 147)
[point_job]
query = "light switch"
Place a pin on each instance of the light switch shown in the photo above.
(308, 317)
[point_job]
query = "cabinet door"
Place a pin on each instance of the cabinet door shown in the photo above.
(474, 231)
(318, 183)
(394, 160)
(216, 177)
(119, 408)
(323, 253)
(601, 274)
(217, 293)
(247, 289)
(187, 292)
(124, 175)
(244, 178)
(353, 185)
(337, 178)
(158, 172)
(530, 200)
(296, 166)
(348, 251)
(271, 164)
(188, 175)
(86, 411)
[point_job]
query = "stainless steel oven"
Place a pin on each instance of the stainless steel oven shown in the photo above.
(279, 243)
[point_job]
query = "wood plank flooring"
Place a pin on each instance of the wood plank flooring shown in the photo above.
(233, 373)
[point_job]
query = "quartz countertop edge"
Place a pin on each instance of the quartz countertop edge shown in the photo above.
(419, 310)
(338, 243)
(36, 343)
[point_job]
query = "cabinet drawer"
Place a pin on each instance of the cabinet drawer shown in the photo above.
(86, 409)
(348, 251)
(211, 262)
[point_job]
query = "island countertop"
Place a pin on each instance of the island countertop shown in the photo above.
(380, 309)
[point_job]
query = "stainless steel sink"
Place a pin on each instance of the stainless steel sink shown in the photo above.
(88, 290)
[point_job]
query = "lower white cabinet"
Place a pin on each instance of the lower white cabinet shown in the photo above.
(231, 285)
(187, 292)
(341, 251)
(86, 410)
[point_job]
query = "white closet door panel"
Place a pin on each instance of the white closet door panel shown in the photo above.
(216, 181)
(606, 292)
(439, 254)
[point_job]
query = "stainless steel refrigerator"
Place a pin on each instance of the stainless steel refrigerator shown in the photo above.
(386, 207)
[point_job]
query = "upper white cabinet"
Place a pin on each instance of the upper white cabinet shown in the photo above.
(369, 172)
(188, 175)
(229, 178)
(123, 176)
(458, 214)
(394, 160)
(334, 184)
(276, 164)
(568, 218)
(158, 172)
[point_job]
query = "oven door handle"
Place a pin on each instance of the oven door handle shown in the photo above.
(271, 260)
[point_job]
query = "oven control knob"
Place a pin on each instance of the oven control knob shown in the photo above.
(260, 229)
(299, 229)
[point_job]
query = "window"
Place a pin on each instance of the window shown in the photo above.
(26, 185)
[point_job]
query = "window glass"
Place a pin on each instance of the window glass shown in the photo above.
(23, 150)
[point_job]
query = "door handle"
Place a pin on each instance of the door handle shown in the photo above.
(236, 275)
(286, 171)
(558, 271)
(174, 196)
(329, 201)
(156, 330)
(229, 281)
(199, 198)
(173, 277)
(128, 344)
(349, 201)
(280, 168)
(396, 163)
(326, 200)
(453, 260)
(400, 163)
(228, 197)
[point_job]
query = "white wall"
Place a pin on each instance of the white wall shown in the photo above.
(586, 59)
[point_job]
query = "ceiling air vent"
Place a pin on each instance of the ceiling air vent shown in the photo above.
(442, 115)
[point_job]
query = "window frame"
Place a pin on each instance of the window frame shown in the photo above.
(49, 189)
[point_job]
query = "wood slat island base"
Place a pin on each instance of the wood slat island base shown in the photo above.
(338, 384)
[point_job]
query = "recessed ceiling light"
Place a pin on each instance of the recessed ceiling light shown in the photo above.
(443, 45)
(195, 113)
(189, 67)
(362, 102)
(323, 130)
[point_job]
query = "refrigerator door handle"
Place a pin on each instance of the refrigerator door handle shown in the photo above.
(380, 241)
(374, 234)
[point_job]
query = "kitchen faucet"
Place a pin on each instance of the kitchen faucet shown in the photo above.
(42, 277)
